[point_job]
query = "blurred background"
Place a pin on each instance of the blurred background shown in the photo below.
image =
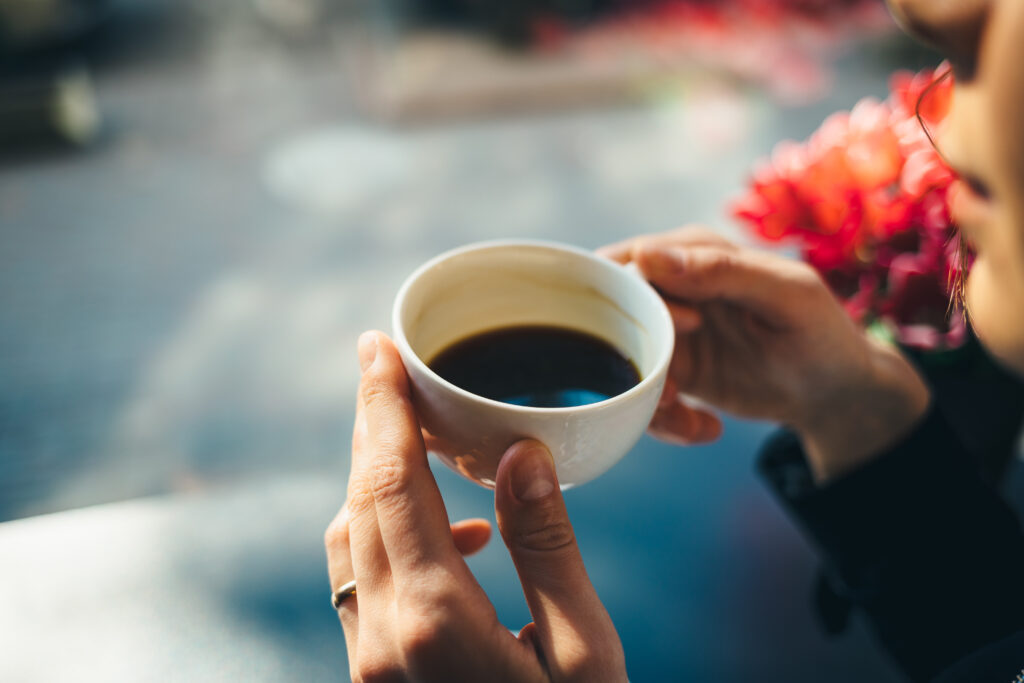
(202, 204)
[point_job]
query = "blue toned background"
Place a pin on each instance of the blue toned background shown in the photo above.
(179, 305)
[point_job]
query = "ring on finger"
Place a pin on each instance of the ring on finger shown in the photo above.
(345, 591)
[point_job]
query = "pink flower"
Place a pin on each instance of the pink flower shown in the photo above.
(928, 92)
(865, 200)
(871, 148)
(923, 171)
(917, 302)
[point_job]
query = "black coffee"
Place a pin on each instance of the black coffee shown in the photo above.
(537, 365)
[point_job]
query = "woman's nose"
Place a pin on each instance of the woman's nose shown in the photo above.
(953, 26)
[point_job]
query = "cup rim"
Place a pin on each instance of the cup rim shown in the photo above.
(398, 330)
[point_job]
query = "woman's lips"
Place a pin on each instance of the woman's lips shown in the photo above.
(971, 206)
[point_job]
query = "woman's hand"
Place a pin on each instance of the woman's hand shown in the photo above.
(418, 613)
(761, 336)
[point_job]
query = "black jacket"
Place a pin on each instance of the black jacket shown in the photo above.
(923, 546)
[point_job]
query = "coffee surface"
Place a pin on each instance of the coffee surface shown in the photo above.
(537, 365)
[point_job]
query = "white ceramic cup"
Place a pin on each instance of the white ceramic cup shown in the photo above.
(490, 285)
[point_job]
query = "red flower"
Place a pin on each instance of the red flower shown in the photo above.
(865, 201)
(917, 302)
(929, 93)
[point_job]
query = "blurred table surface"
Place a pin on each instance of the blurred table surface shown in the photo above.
(178, 311)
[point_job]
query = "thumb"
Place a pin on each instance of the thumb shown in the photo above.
(573, 630)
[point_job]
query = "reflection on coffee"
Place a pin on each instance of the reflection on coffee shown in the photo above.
(540, 366)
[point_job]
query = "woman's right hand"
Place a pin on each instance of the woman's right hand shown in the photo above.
(761, 336)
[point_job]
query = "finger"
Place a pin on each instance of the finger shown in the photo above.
(339, 569)
(682, 424)
(620, 252)
(369, 557)
(535, 526)
(375, 598)
(669, 394)
(684, 318)
(528, 635)
(762, 281)
(686, 360)
(339, 555)
(435, 444)
(430, 442)
(687, 235)
(410, 512)
(470, 535)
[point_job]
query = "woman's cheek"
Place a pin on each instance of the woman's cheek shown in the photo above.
(996, 306)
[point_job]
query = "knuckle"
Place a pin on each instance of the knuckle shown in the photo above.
(552, 535)
(336, 536)
(377, 670)
(430, 618)
(421, 635)
(718, 261)
(376, 389)
(428, 609)
(706, 267)
(360, 497)
(388, 480)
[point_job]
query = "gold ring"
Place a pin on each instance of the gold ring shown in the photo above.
(338, 596)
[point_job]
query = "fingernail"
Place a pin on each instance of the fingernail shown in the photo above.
(533, 475)
(367, 349)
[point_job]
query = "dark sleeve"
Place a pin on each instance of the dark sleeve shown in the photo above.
(1001, 662)
(917, 540)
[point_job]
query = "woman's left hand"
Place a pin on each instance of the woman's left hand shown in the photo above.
(418, 613)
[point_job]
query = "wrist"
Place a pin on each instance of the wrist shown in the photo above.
(874, 411)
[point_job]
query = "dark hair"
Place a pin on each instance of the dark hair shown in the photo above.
(963, 256)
